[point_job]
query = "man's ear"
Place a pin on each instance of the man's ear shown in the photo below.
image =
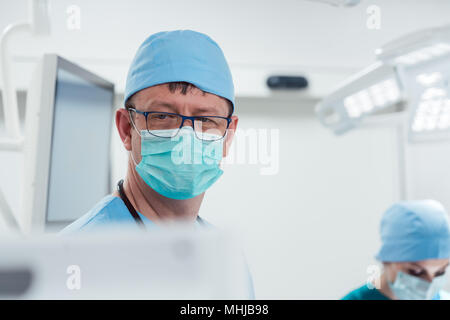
(230, 135)
(124, 127)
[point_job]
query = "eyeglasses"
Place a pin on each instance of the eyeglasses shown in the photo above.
(208, 128)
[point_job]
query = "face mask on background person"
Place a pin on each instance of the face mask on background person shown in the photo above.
(181, 167)
(408, 287)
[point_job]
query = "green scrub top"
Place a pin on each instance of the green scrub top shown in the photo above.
(364, 293)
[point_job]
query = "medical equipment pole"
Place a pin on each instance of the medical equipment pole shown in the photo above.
(14, 139)
(39, 24)
(402, 133)
(7, 213)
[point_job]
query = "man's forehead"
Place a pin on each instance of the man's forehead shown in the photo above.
(161, 96)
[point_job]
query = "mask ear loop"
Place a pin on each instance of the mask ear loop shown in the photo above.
(224, 138)
(132, 157)
(137, 131)
(132, 123)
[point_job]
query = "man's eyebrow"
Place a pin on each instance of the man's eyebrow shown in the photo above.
(444, 267)
(160, 103)
(199, 109)
(441, 269)
(208, 111)
(416, 265)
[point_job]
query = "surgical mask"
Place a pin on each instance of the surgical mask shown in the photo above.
(181, 167)
(408, 287)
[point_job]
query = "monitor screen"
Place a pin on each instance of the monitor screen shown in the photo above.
(79, 172)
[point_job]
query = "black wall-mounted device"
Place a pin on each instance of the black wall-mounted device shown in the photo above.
(287, 82)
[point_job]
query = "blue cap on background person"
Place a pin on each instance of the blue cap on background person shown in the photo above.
(181, 55)
(414, 231)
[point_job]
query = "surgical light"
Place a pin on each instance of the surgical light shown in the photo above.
(411, 75)
(375, 97)
(433, 111)
(372, 91)
(427, 79)
(424, 54)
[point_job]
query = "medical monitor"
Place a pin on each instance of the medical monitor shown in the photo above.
(68, 130)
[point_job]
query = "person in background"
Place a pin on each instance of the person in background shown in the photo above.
(415, 254)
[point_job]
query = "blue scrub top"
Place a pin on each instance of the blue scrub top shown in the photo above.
(111, 211)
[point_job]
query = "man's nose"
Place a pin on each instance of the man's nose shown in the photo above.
(188, 122)
(429, 277)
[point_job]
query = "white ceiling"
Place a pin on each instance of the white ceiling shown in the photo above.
(258, 37)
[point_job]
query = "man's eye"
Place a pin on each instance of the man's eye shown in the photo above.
(416, 273)
(204, 119)
(440, 273)
(159, 116)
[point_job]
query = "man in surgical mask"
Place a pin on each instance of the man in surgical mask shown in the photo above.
(177, 124)
(415, 254)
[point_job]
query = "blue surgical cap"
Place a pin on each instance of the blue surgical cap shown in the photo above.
(181, 55)
(414, 231)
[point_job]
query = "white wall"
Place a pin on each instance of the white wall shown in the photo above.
(428, 174)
